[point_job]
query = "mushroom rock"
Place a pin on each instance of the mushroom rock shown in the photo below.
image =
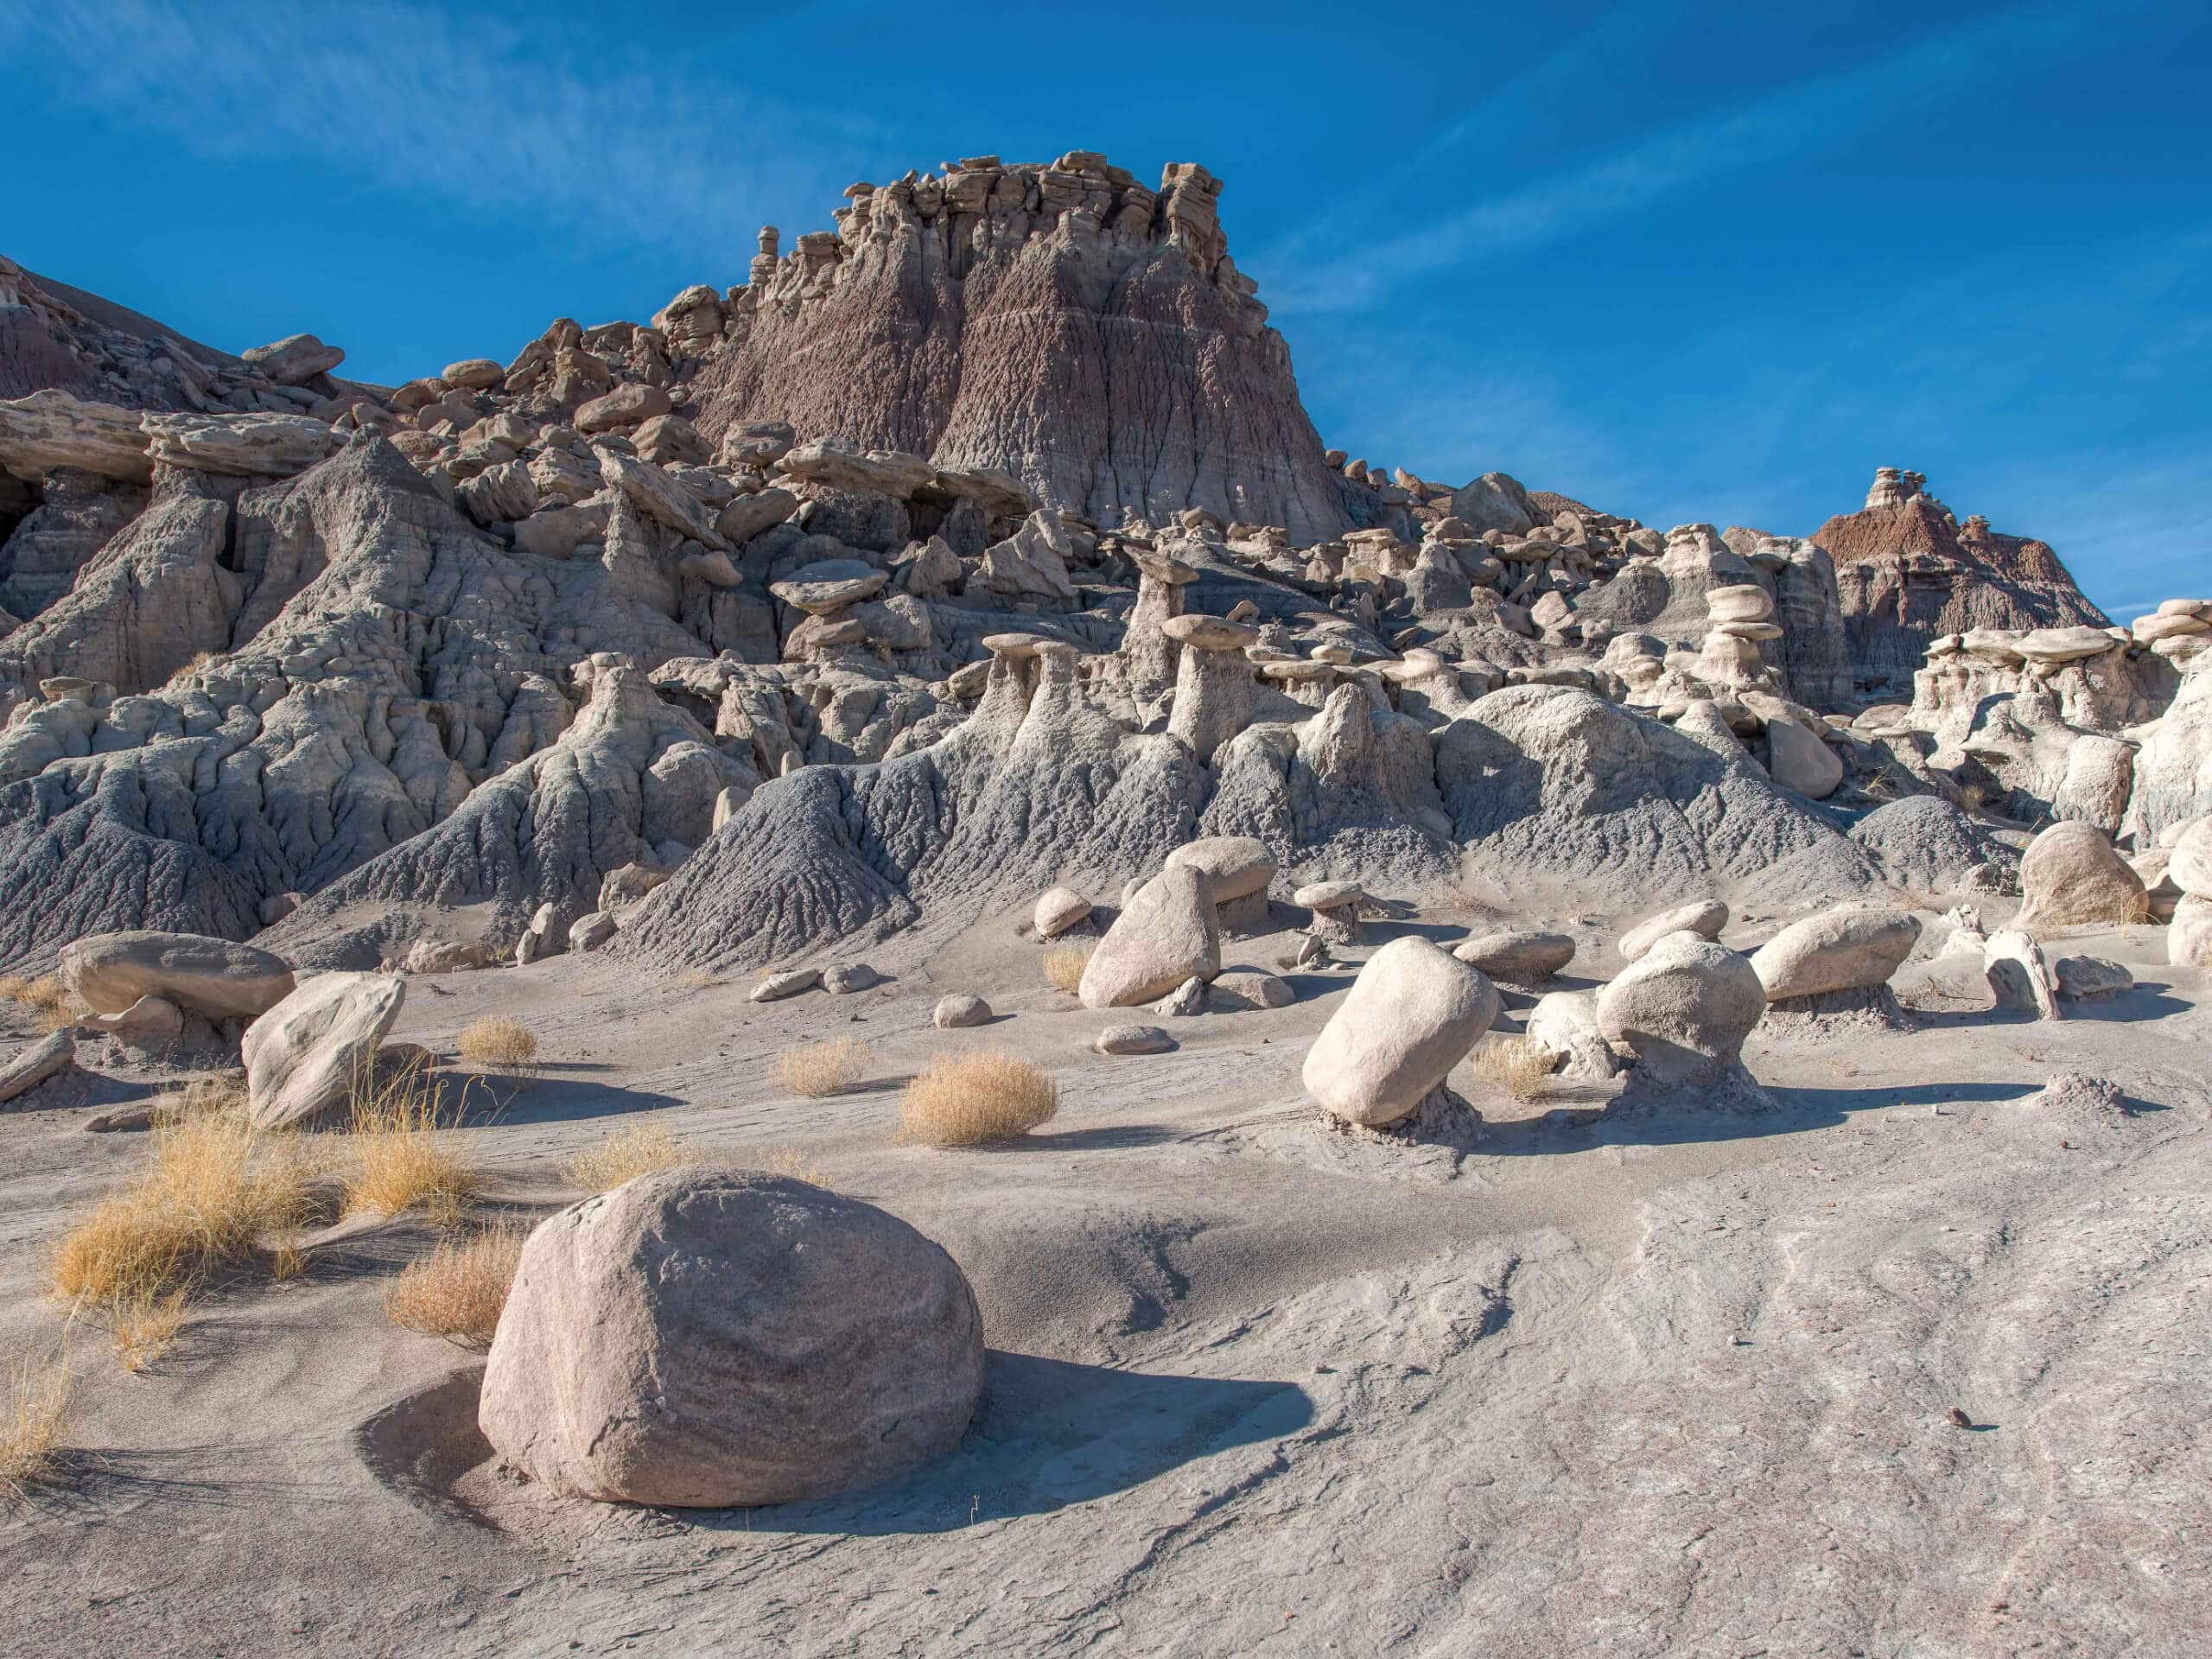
(1213, 682)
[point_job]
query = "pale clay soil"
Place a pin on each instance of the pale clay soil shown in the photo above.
(1674, 1381)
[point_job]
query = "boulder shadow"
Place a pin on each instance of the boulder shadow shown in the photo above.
(2146, 1000)
(1049, 1433)
(559, 1100)
(1677, 1119)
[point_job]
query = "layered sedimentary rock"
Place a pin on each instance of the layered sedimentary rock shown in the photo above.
(1063, 322)
(1909, 572)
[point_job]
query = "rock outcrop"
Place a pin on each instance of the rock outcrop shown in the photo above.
(1908, 572)
(1061, 322)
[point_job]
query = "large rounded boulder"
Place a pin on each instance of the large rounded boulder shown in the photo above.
(1168, 932)
(1684, 1007)
(214, 978)
(1836, 951)
(2071, 876)
(706, 1339)
(1410, 1017)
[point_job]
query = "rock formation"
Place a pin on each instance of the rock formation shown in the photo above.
(1090, 336)
(1908, 572)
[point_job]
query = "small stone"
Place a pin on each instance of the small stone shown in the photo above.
(789, 982)
(1132, 1040)
(960, 1009)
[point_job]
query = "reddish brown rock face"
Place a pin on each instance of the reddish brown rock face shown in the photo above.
(1907, 573)
(1086, 335)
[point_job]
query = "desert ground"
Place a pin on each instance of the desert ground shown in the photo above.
(1614, 1376)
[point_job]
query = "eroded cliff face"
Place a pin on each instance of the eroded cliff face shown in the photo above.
(1091, 336)
(1908, 572)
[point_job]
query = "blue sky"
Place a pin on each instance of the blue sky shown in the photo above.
(1687, 262)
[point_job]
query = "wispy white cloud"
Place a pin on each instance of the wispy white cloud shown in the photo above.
(1765, 133)
(523, 125)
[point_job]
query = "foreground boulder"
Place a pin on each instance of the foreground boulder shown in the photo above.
(733, 1338)
(1836, 951)
(1685, 1008)
(1411, 1016)
(211, 977)
(304, 1055)
(2071, 876)
(1168, 932)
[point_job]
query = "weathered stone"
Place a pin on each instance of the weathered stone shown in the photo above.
(303, 1056)
(2019, 974)
(1842, 950)
(1057, 910)
(1703, 917)
(2071, 875)
(1685, 1007)
(1410, 1016)
(1132, 1040)
(1519, 958)
(708, 1339)
(48, 1057)
(216, 978)
(1166, 934)
(788, 983)
(1237, 865)
(958, 1010)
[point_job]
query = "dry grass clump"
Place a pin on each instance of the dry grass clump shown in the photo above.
(818, 1069)
(966, 1099)
(1513, 1063)
(33, 1419)
(1064, 967)
(211, 1190)
(221, 1095)
(637, 1149)
(43, 996)
(507, 1045)
(457, 1291)
(404, 1151)
(699, 979)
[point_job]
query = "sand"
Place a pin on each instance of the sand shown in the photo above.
(1674, 1381)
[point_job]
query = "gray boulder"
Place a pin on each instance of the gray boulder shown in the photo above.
(304, 1055)
(1167, 933)
(211, 977)
(1836, 951)
(1685, 1007)
(1410, 1017)
(703, 1340)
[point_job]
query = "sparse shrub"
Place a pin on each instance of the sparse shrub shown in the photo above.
(1064, 967)
(198, 660)
(405, 1150)
(457, 1290)
(146, 1321)
(212, 1191)
(818, 1069)
(221, 1095)
(1513, 1063)
(33, 1419)
(43, 996)
(966, 1099)
(633, 1150)
(699, 979)
(505, 1045)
